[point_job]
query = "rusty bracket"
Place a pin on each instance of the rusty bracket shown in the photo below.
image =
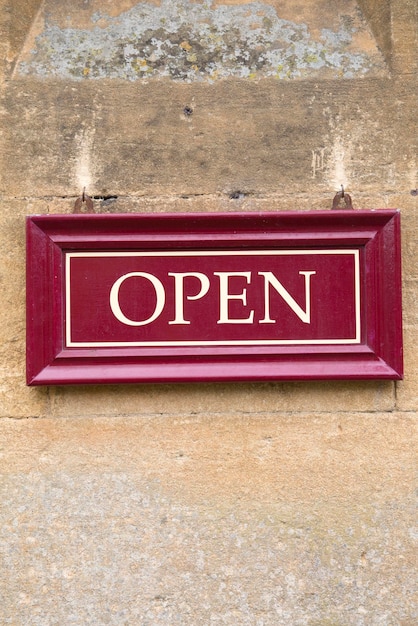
(84, 199)
(341, 195)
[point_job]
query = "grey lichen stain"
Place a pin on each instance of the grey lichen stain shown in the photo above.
(187, 41)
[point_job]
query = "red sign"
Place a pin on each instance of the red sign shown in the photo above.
(212, 298)
(127, 298)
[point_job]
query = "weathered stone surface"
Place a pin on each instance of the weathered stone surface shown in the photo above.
(16, 400)
(22, 16)
(378, 14)
(407, 389)
(197, 41)
(404, 18)
(272, 520)
(303, 455)
(255, 138)
(409, 216)
(220, 398)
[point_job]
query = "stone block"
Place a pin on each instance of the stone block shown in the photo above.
(200, 399)
(115, 138)
(404, 18)
(16, 400)
(302, 457)
(409, 225)
(407, 389)
(409, 299)
(230, 520)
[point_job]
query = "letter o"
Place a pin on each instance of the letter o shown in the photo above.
(114, 299)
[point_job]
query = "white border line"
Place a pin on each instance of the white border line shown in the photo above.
(258, 342)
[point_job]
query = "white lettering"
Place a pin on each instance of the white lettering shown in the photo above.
(270, 279)
(225, 297)
(159, 304)
(179, 293)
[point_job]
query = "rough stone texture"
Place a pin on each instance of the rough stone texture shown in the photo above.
(291, 137)
(18, 18)
(214, 523)
(378, 14)
(404, 37)
(16, 400)
(194, 41)
(241, 504)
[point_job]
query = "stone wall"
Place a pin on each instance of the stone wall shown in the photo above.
(262, 504)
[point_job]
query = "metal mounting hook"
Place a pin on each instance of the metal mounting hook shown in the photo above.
(341, 195)
(84, 199)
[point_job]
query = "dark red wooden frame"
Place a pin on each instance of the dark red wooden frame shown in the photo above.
(375, 233)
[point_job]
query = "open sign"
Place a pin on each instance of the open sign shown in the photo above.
(229, 297)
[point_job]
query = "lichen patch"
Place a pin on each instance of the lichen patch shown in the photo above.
(188, 41)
